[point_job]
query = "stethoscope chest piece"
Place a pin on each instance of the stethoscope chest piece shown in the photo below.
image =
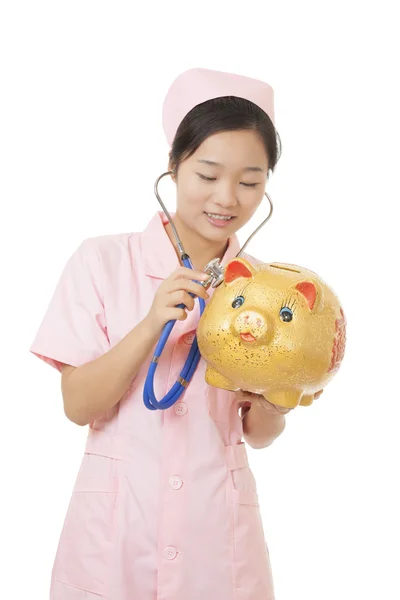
(216, 273)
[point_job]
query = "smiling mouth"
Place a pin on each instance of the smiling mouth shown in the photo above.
(219, 217)
(247, 337)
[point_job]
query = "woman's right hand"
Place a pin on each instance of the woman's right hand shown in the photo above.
(173, 291)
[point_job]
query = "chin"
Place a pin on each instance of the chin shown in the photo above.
(217, 235)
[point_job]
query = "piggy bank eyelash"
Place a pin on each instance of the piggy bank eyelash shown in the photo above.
(242, 291)
(286, 312)
(239, 298)
(286, 304)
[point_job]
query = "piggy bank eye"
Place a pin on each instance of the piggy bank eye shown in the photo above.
(238, 301)
(286, 314)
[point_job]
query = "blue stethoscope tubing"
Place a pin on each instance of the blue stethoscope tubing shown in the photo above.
(186, 374)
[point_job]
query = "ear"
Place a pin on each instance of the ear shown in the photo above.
(172, 168)
(236, 269)
(309, 290)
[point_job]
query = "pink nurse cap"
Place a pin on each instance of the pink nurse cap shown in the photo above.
(198, 85)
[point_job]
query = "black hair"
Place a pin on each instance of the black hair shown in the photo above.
(228, 113)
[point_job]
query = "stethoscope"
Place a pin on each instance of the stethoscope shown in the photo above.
(216, 276)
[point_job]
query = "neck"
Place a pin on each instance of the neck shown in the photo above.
(200, 250)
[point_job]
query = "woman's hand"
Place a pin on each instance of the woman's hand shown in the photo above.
(173, 291)
(264, 421)
(245, 401)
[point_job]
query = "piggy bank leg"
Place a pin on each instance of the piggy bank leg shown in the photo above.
(285, 398)
(219, 381)
(308, 399)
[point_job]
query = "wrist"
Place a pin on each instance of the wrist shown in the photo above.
(151, 329)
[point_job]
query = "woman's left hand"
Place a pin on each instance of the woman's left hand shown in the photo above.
(245, 400)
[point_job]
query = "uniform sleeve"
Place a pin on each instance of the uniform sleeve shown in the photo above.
(73, 330)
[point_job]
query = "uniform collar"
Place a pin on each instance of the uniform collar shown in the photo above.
(158, 254)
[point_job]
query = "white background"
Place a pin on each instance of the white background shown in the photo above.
(81, 144)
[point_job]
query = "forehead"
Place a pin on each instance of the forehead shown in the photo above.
(241, 148)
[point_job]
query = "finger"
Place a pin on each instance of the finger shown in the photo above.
(178, 314)
(185, 273)
(188, 286)
(181, 297)
(197, 290)
(281, 409)
(272, 407)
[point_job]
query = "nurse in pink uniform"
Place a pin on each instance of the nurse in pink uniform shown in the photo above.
(165, 506)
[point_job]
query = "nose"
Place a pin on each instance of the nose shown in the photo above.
(252, 318)
(226, 197)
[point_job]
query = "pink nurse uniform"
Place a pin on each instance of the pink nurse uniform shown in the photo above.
(165, 506)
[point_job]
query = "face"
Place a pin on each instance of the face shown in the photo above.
(221, 185)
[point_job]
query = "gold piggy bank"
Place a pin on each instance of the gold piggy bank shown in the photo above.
(272, 329)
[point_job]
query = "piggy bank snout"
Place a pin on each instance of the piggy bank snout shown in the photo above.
(250, 322)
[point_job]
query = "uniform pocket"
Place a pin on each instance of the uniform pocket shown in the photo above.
(86, 541)
(246, 497)
(253, 576)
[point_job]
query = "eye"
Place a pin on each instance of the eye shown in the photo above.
(286, 314)
(248, 185)
(238, 301)
(205, 178)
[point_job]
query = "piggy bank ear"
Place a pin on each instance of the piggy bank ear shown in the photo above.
(236, 269)
(312, 293)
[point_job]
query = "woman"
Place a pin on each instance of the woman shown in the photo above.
(165, 506)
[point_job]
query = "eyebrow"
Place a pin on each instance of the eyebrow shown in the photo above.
(211, 163)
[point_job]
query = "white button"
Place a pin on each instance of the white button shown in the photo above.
(170, 553)
(176, 483)
(189, 337)
(180, 408)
